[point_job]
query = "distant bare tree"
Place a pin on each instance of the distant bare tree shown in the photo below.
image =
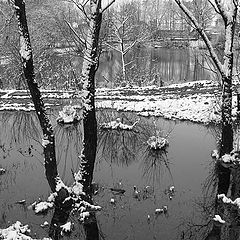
(125, 34)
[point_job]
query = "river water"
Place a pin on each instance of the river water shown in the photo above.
(153, 65)
(123, 161)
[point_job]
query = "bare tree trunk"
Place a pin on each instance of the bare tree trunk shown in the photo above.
(228, 13)
(123, 62)
(90, 65)
(227, 128)
(28, 68)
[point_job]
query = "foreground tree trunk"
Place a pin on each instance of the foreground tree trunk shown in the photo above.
(228, 12)
(90, 65)
(28, 68)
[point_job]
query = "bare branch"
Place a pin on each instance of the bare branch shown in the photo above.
(202, 34)
(236, 3)
(114, 48)
(4, 15)
(129, 47)
(126, 64)
(75, 33)
(215, 8)
(108, 5)
(125, 20)
(81, 7)
(84, 3)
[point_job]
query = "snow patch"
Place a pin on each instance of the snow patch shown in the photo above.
(45, 224)
(2, 171)
(228, 200)
(77, 189)
(60, 184)
(45, 142)
(215, 154)
(25, 49)
(42, 207)
(68, 115)
(16, 231)
(117, 125)
(83, 216)
(157, 143)
(66, 228)
(217, 218)
(52, 197)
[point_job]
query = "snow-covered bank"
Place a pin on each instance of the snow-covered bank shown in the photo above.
(197, 101)
(194, 108)
(194, 101)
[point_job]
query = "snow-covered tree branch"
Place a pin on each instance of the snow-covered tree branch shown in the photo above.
(228, 11)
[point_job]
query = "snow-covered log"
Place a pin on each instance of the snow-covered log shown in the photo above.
(117, 125)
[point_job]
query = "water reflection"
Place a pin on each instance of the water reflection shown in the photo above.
(68, 148)
(124, 147)
(119, 147)
(21, 134)
(155, 162)
(156, 66)
(18, 130)
(19, 143)
(133, 164)
(220, 219)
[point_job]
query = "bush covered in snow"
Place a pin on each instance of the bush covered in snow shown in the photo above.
(230, 160)
(157, 143)
(68, 115)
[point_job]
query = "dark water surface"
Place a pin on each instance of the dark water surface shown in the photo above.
(123, 161)
(159, 64)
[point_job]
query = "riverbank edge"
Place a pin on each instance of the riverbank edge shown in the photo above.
(197, 101)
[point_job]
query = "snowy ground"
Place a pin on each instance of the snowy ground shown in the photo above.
(197, 101)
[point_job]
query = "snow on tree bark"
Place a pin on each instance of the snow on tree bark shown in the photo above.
(228, 11)
(90, 65)
(28, 68)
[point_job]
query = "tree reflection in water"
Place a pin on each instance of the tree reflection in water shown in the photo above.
(118, 146)
(18, 130)
(154, 161)
(20, 134)
(221, 180)
(68, 148)
(123, 147)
